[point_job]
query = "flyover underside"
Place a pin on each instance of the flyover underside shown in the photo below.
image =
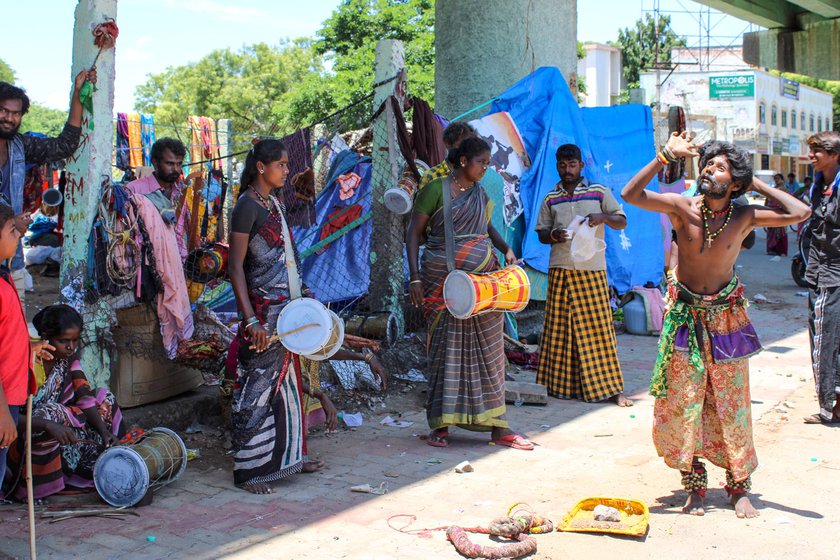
(803, 36)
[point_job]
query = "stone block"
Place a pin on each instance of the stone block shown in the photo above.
(525, 393)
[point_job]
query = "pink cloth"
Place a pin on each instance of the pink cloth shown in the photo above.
(149, 184)
(173, 305)
(655, 304)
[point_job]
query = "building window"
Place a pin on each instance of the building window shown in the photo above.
(762, 113)
(802, 121)
(819, 124)
(784, 119)
(827, 124)
(812, 123)
(793, 119)
(774, 117)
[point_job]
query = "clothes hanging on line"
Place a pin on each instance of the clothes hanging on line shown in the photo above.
(427, 134)
(122, 147)
(147, 135)
(135, 141)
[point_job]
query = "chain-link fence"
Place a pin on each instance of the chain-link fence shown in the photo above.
(351, 247)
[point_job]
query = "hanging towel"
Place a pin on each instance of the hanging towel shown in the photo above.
(135, 141)
(123, 158)
(147, 135)
(173, 304)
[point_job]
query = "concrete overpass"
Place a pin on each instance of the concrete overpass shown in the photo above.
(802, 36)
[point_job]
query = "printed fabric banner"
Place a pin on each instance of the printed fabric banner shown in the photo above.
(507, 156)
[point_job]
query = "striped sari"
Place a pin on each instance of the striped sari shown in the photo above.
(267, 417)
(63, 398)
(466, 358)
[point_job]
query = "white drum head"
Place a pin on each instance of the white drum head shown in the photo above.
(459, 294)
(398, 201)
(329, 351)
(299, 313)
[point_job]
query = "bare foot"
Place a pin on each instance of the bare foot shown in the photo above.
(694, 504)
(257, 488)
(622, 401)
(310, 467)
(743, 506)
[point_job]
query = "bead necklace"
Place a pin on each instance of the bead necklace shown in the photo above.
(274, 212)
(714, 213)
(460, 188)
(706, 212)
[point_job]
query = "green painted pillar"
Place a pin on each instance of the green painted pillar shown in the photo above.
(86, 170)
(483, 47)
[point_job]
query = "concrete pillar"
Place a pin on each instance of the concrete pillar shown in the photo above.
(483, 47)
(811, 51)
(386, 251)
(85, 172)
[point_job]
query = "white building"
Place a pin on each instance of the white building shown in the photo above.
(600, 71)
(769, 116)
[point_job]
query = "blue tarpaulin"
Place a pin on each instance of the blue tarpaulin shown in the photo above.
(341, 270)
(615, 142)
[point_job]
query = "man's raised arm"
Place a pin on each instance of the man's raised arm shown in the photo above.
(634, 192)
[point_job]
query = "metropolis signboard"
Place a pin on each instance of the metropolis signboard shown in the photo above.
(732, 86)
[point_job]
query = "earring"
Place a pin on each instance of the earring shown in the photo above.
(463, 165)
(262, 171)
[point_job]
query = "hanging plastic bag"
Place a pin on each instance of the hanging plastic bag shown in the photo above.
(585, 243)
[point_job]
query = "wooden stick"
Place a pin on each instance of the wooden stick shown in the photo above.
(514, 342)
(276, 337)
(30, 499)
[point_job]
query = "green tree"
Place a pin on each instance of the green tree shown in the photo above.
(249, 86)
(276, 89)
(348, 41)
(639, 46)
(39, 118)
(44, 120)
(6, 73)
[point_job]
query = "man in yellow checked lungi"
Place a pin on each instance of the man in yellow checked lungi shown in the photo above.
(578, 358)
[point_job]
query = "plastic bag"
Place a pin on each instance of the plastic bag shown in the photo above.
(585, 243)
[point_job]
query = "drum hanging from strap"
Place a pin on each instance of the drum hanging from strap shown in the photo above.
(124, 474)
(466, 294)
(334, 343)
(306, 327)
(400, 199)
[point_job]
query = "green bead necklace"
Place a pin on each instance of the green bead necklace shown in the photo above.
(709, 213)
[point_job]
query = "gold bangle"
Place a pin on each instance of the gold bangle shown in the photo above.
(416, 282)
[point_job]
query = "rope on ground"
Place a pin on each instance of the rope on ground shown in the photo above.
(518, 525)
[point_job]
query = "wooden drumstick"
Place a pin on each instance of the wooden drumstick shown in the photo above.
(276, 337)
(30, 499)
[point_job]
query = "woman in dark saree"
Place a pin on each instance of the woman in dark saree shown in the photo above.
(268, 433)
(466, 357)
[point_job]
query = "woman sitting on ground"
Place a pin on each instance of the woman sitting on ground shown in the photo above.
(71, 423)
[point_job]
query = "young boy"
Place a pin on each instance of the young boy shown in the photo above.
(15, 373)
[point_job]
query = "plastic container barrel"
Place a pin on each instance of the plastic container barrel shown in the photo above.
(635, 318)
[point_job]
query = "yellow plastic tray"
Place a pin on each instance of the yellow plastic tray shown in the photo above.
(634, 517)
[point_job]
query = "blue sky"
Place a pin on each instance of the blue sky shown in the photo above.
(155, 34)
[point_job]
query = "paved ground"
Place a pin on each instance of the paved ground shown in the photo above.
(584, 450)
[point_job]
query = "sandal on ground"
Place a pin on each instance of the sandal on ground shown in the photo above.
(819, 419)
(436, 439)
(514, 441)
